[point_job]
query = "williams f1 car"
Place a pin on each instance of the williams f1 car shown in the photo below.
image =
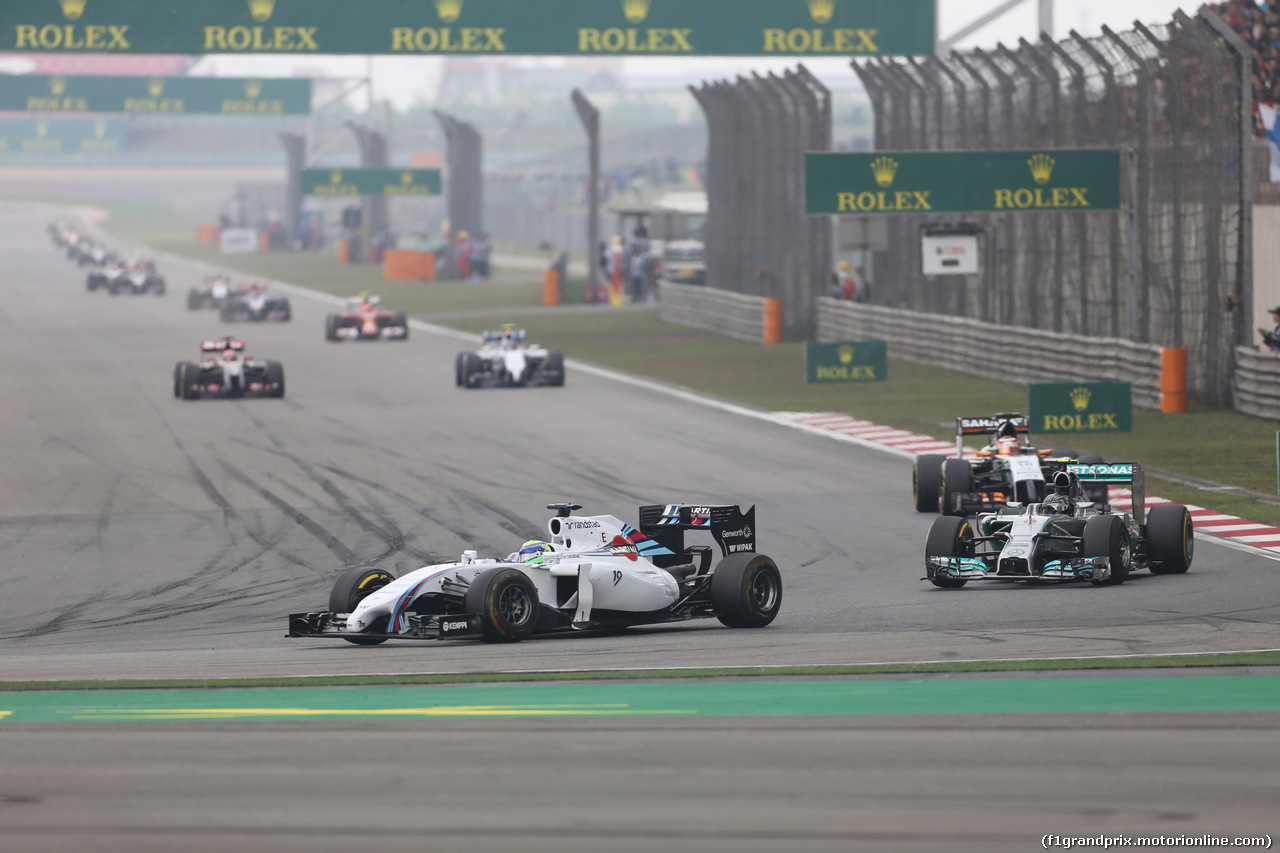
(136, 276)
(594, 572)
(1007, 470)
(505, 359)
(364, 320)
(1065, 537)
(225, 371)
(253, 304)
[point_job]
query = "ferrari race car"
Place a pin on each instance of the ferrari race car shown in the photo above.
(211, 293)
(1064, 537)
(505, 359)
(365, 321)
(136, 276)
(225, 371)
(253, 304)
(1008, 469)
(595, 572)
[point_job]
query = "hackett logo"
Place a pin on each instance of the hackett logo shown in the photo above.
(71, 36)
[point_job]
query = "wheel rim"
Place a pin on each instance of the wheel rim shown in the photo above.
(763, 592)
(514, 606)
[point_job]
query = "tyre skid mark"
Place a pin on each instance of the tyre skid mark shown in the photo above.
(331, 542)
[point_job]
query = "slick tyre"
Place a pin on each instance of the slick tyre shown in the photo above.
(1170, 539)
(957, 479)
(459, 370)
(471, 370)
(507, 603)
(950, 536)
(555, 367)
(1105, 536)
(331, 322)
(188, 379)
(926, 480)
(399, 319)
(746, 590)
(275, 378)
(352, 587)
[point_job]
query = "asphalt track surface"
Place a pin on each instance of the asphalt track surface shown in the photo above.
(145, 536)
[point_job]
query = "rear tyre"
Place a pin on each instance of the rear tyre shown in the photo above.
(352, 587)
(195, 300)
(471, 370)
(507, 603)
(177, 379)
(949, 536)
(926, 480)
(1170, 539)
(399, 319)
(189, 377)
(957, 479)
(746, 590)
(1105, 536)
(275, 378)
(555, 365)
(331, 322)
(459, 366)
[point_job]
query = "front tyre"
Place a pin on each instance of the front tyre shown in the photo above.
(555, 366)
(926, 479)
(507, 603)
(1170, 539)
(352, 587)
(950, 536)
(746, 590)
(1105, 536)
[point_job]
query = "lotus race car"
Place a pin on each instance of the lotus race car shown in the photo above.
(226, 371)
(136, 276)
(1008, 469)
(253, 304)
(1065, 537)
(505, 359)
(594, 572)
(365, 321)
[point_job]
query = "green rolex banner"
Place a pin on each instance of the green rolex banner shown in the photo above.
(846, 361)
(1065, 407)
(41, 93)
(356, 182)
(61, 136)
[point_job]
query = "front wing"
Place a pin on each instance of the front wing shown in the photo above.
(1096, 569)
(330, 625)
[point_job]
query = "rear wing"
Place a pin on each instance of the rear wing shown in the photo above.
(489, 336)
(733, 529)
(1113, 474)
(990, 426)
(222, 345)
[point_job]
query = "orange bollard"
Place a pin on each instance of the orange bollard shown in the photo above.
(551, 287)
(207, 232)
(1173, 380)
(344, 252)
(264, 241)
(773, 321)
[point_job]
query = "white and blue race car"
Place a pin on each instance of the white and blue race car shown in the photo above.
(594, 572)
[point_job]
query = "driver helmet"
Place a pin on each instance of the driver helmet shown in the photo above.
(1059, 502)
(228, 355)
(1007, 446)
(533, 551)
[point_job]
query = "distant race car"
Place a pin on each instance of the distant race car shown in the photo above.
(254, 304)
(505, 359)
(1065, 536)
(364, 320)
(1007, 470)
(594, 572)
(225, 371)
(211, 293)
(137, 276)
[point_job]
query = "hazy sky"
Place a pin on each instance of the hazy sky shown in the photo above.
(405, 79)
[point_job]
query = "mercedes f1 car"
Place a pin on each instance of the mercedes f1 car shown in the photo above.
(1065, 537)
(225, 371)
(364, 320)
(1008, 470)
(505, 359)
(136, 276)
(594, 572)
(253, 304)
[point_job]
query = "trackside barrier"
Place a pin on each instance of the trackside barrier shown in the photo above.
(1257, 383)
(1173, 380)
(1011, 353)
(735, 315)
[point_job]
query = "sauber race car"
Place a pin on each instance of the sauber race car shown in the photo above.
(211, 293)
(505, 359)
(136, 276)
(365, 321)
(1008, 469)
(225, 371)
(253, 304)
(1065, 536)
(594, 572)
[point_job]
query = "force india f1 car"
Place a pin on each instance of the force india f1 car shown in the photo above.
(136, 276)
(1065, 537)
(505, 359)
(595, 572)
(226, 371)
(365, 321)
(253, 304)
(1007, 470)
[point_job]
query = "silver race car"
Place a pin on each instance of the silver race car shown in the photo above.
(594, 572)
(505, 359)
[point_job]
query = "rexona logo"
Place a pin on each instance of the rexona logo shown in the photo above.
(449, 39)
(819, 40)
(259, 38)
(1042, 197)
(71, 36)
(635, 39)
(884, 170)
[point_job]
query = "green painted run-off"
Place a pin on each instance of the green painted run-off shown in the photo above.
(706, 699)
